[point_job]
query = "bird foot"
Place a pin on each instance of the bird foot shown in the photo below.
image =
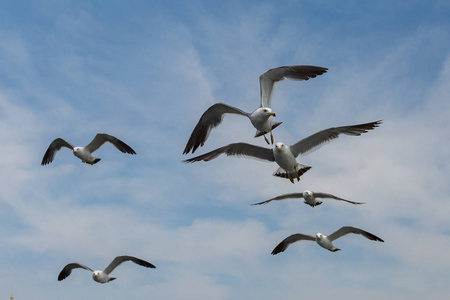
(290, 177)
(271, 137)
(267, 141)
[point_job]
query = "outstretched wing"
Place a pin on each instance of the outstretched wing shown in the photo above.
(281, 247)
(236, 149)
(281, 197)
(211, 118)
(348, 229)
(325, 195)
(270, 78)
(120, 259)
(318, 139)
(55, 146)
(101, 138)
(68, 270)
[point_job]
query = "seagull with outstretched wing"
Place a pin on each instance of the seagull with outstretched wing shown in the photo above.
(103, 276)
(85, 153)
(261, 118)
(323, 240)
(309, 197)
(285, 156)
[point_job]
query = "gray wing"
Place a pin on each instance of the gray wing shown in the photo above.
(281, 197)
(55, 146)
(281, 247)
(68, 270)
(101, 138)
(325, 195)
(236, 149)
(120, 259)
(318, 139)
(211, 118)
(270, 78)
(348, 229)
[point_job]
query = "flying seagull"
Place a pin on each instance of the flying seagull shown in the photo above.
(261, 118)
(103, 276)
(85, 153)
(323, 240)
(285, 156)
(309, 197)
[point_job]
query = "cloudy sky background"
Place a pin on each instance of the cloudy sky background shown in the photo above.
(145, 71)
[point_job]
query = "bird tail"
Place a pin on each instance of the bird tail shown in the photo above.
(335, 249)
(274, 125)
(302, 169)
(96, 160)
(111, 279)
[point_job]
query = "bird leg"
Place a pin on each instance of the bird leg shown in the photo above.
(267, 141)
(271, 136)
(290, 177)
(296, 172)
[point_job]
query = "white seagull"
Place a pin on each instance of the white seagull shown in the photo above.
(285, 156)
(103, 276)
(261, 118)
(85, 153)
(309, 197)
(323, 240)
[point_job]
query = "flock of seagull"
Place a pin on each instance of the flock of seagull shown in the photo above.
(283, 155)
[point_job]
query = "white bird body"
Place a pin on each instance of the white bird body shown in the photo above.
(286, 160)
(324, 242)
(85, 155)
(310, 199)
(101, 276)
(262, 120)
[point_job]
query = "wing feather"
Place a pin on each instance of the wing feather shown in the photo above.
(101, 138)
(210, 119)
(325, 195)
(120, 259)
(281, 197)
(348, 229)
(236, 149)
(318, 139)
(55, 146)
(270, 78)
(281, 247)
(67, 270)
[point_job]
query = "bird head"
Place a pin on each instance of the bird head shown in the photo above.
(307, 194)
(95, 274)
(265, 111)
(319, 236)
(280, 146)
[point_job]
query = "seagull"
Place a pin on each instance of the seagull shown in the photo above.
(285, 156)
(85, 153)
(323, 240)
(103, 276)
(310, 198)
(261, 118)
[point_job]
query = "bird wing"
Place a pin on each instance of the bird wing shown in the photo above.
(236, 149)
(68, 270)
(101, 138)
(325, 195)
(210, 119)
(270, 78)
(318, 139)
(55, 146)
(348, 229)
(120, 259)
(281, 197)
(281, 247)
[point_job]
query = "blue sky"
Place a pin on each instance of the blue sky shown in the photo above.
(145, 71)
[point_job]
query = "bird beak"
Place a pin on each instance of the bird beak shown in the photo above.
(273, 114)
